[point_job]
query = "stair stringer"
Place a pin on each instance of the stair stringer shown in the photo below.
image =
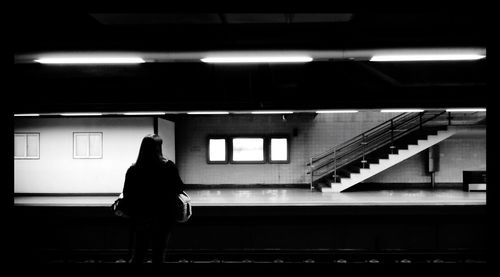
(393, 159)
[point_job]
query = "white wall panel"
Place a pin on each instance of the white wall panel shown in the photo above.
(58, 172)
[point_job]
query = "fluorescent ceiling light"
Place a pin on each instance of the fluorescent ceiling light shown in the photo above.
(466, 110)
(426, 57)
(144, 113)
(200, 113)
(258, 59)
(27, 114)
(90, 60)
(402, 111)
(337, 111)
(81, 114)
(272, 112)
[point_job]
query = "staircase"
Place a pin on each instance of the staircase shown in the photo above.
(376, 150)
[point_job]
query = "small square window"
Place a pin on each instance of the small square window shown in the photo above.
(279, 150)
(248, 150)
(217, 150)
(27, 146)
(87, 145)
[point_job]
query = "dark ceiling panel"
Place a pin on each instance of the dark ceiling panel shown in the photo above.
(157, 18)
(213, 18)
(256, 18)
(320, 17)
(208, 31)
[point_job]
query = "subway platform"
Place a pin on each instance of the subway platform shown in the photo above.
(268, 226)
(284, 197)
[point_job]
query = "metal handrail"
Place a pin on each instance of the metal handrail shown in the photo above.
(353, 155)
(378, 135)
(329, 151)
(359, 146)
(377, 130)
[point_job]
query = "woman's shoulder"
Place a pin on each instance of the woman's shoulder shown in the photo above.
(168, 162)
(131, 168)
(169, 165)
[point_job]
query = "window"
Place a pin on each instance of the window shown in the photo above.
(27, 146)
(248, 150)
(251, 149)
(217, 150)
(279, 150)
(87, 145)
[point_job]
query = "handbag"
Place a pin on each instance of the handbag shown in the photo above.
(120, 207)
(183, 207)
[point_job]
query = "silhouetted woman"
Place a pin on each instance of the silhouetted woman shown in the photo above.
(151, 185)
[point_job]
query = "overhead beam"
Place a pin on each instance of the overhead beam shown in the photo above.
(377, 73)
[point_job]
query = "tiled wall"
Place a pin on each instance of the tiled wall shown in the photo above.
(314, 135)
(466, 150)
(461, 153)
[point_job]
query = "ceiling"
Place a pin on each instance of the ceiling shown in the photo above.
(194, 85)
(202, 31)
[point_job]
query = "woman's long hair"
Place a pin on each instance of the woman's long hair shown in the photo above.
(150, 151)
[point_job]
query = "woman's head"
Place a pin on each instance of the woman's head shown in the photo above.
(150, 150)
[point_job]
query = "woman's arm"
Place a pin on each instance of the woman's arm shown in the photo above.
(178, 184)
(127, 187)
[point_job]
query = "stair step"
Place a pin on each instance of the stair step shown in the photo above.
(410, 147)
(384, 158)
(403, 152)
(376, 166)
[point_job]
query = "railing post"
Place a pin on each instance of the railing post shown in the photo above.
(364, 145)
(335, 164)
(311, 171)
(392, 137)
(449, 118)
(420, 120)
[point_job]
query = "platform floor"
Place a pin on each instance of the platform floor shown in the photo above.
(286, 197)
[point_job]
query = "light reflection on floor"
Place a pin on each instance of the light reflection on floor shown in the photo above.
(286, 197)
